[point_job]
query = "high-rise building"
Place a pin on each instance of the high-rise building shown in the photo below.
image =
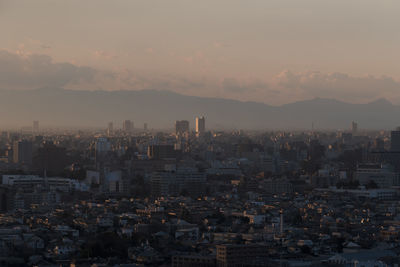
(379, 144)
(395, 141)
(22, 152)
(127, 126)
(347, 138)
(35, 126)
(145, 127)
(161, 152)
(200, 125)
(110, 128)
(182, 181)
(6, 198)
(102, 147)
(191, 181)
(50, 158)
(181, 127)
(354, 128)
(164, 183)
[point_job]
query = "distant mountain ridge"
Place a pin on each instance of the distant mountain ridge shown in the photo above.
(57, 106)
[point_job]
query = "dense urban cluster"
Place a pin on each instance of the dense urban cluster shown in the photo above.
(140, 197)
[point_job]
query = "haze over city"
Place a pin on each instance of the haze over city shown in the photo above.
(176, 133)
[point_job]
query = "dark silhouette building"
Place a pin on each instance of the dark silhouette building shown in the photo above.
(161, 152)
(395, 141)
(181, 127)
(22, 152)
(51, 158)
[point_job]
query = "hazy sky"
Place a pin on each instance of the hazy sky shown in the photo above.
(261, 50)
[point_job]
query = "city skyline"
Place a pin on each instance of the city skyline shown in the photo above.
(199, 133)
(91, 109)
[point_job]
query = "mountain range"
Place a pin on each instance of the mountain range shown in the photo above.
(62, 107)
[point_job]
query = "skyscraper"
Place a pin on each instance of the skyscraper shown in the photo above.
(354, 128)
(22, 152)
(127, 126)
(200, 125)
(50, 158)
(110, 128)
(181, 127)
(35, 126)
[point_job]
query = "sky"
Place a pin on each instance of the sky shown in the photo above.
(270, 51)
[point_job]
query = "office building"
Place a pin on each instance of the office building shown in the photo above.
(164, 183)
(242, 255)
(186, 181)
(193, 261)
(161, 152)
(354, 128)
(6, 198)
(110, 128)
(380, 175)
(191, 181)
(145, 127)
(127, 126)
(200, 125)
(347, 138)
(50, 158)
(113, 182)
(35, 126)
(379, 145)
(395, 140)
(30, 182)
(181, 127)
(278, 187)
(22, 152)
(102, 147)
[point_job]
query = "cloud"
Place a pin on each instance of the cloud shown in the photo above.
(101, 54)
(25, 71)
(128, 80)
(196, 58)
(248, 86)
(337, 85)
(221, 45)
(38, 43)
